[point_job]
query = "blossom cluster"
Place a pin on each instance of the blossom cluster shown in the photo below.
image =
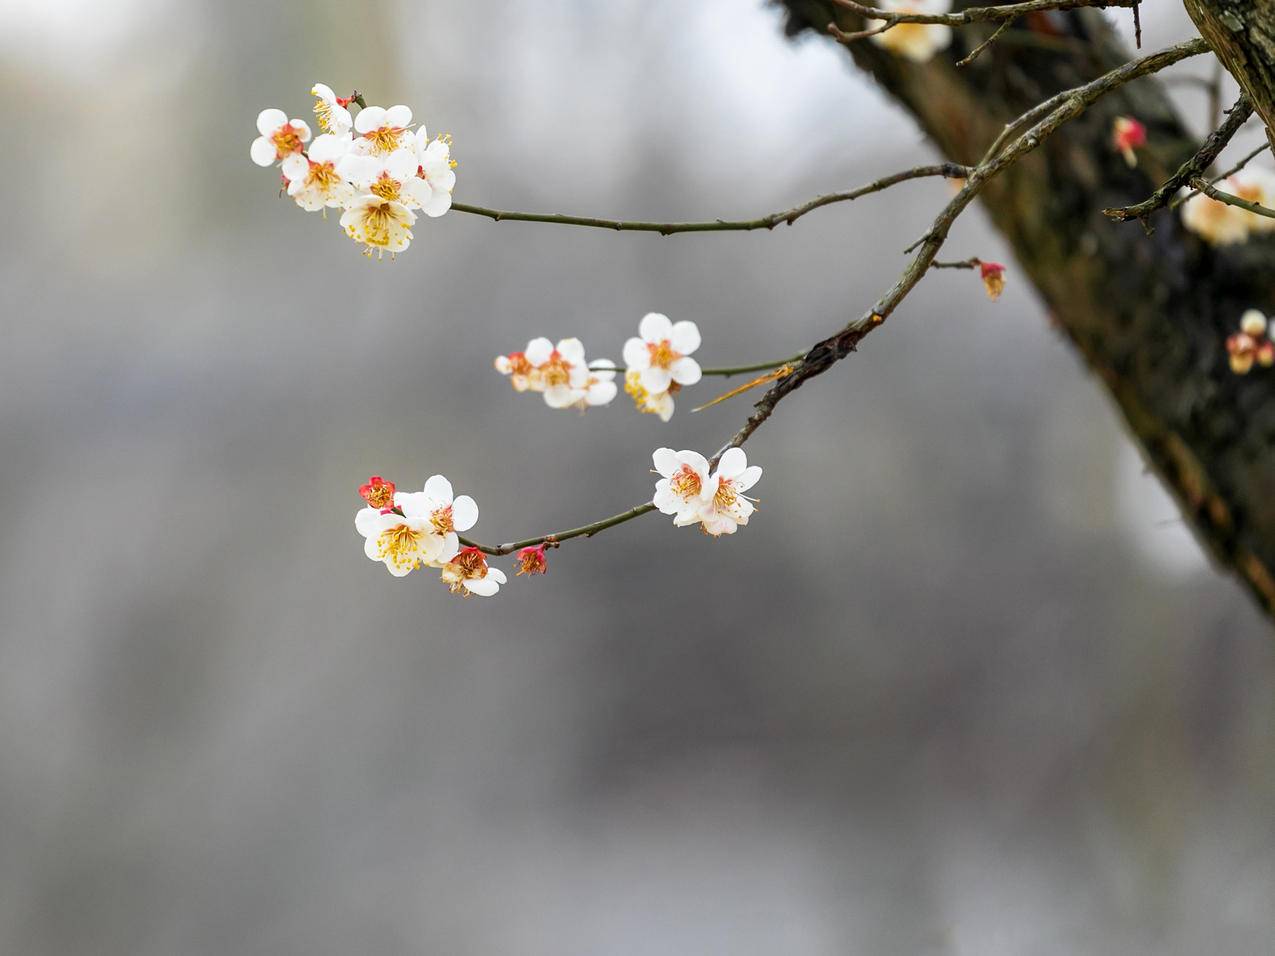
(560, 373)
(373, 165)
(657, 362)
(1222, 224)
(693, 494)
(1251, 344)
(406, 530)
(917, 42)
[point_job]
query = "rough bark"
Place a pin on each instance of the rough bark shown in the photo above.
(1242, 34)
(1150, 314)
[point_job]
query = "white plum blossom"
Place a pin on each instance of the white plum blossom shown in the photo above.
(727, 508)
(560, 372)
(435, 169)
(917, 42)
(467, 573)
(392, 177)
(382, 225)
(314, 179)
(280, 137)
(692, 495)
(683, 485)
(382, 131)
(660, 404)
(661, 352)
(330, 110)
(448, 513)
(1220, 223)
(419, 530)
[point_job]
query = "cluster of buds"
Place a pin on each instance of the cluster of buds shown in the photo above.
(560, 373)
(658, 363)
(373, 165)
(1222, 224)
(1128, 135)
(693, 493)
(917, 42)
(410, 530)
(1251, 344)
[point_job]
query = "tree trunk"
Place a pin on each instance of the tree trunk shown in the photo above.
(1242, 34)
(1150, 314)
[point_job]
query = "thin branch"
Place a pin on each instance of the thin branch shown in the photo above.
(973, 54)
(725, 370)
(825, 354)
(1212, 193)
(1189, 170)
(962, 264)
(1010, 11)
(948, 170)
(584, 531)
(1244, 161)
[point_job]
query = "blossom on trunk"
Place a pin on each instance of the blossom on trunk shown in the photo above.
(1127, 135)
(917, 42)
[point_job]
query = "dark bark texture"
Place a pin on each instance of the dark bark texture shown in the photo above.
(1149, 314)
(1242, 34)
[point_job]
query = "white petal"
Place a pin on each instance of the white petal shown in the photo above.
(686, 371)
(666, 461)
(365, 520)
(437, 204)
(439, 490)
(464, 512)
(397, 571)
(323, 92)
(655, 327)
(748, 477)
(262, 151)
(732, 463)
(601, 393)
(696, 461)
(560, 396)
(538, 351)
(295, 166)
(401, 164)
(572, 350)
(497, 575)
(398, 116)
(373, 117)
(372, 546)
(636, 354)
(685, 337)
(656, 380)
(270, 120)
(665, 501)
(662, 405)
(483, 587)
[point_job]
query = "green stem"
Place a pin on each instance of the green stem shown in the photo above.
(726, 370)
(584, 531)
(789, 216)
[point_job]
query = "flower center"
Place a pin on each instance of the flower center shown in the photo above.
(685, 483)
(556, 371)
(726, 495)
(662, 354)
(468, 565)
(377, 218)
(387, 188)
(287, 140)
(400, 546)
(441, 519)
(323, 114)
(322, 176)
(385, 139)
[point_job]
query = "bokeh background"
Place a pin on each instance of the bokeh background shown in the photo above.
(965, 685)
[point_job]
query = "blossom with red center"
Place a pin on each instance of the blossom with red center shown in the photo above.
(382, 131)
(378, 492)
(993, 274)
(560, 372)
(280, 137)
(532, 560)
(466, 572)
(660, 353)
(516, 366)
(1251, 344)
(692, 495)
(728, 508)
(1127, 135)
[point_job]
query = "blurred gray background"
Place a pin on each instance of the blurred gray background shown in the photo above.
(965, 685)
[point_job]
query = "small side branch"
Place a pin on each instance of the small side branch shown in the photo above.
(1244, 161)
(1010, 11)
(1214, 193)
(787, 217)
(1192, 168)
